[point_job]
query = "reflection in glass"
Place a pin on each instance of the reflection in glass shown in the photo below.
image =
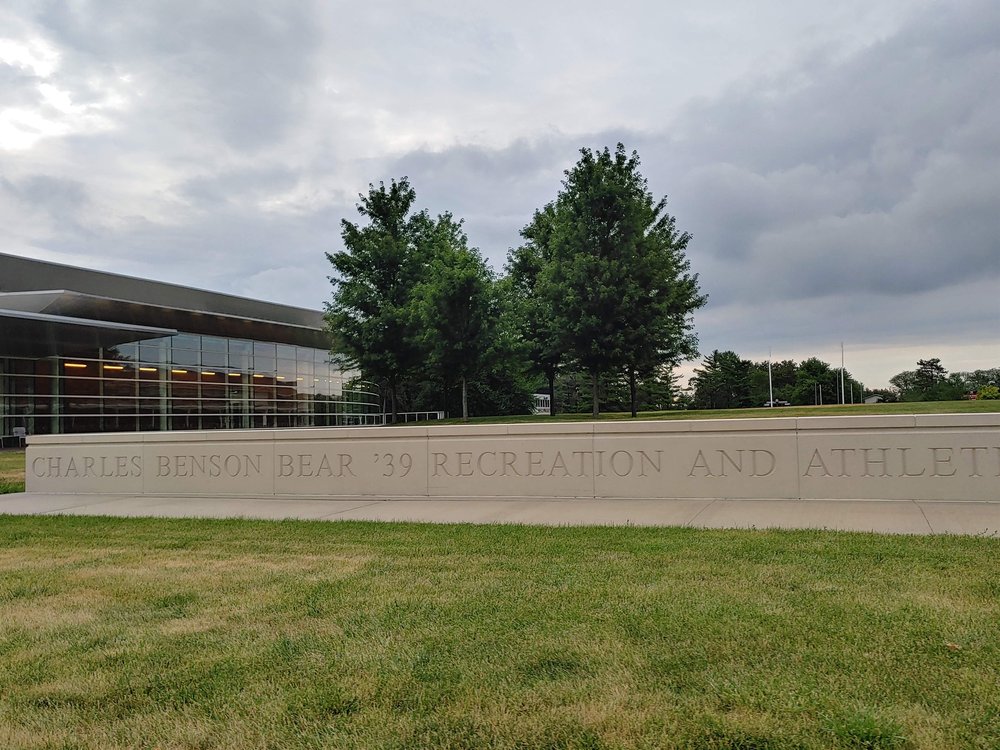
(185, 357)
(153, 350)
(181, 382)
(124, 352)
(215, 359)
(240, 354)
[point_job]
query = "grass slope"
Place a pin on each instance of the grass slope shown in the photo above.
(124, 633)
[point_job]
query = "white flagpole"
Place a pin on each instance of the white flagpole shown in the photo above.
(770, 386)
(842, 373)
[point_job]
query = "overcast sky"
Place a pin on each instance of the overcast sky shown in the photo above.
(837, 163)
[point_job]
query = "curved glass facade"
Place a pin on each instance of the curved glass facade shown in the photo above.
(183, 382)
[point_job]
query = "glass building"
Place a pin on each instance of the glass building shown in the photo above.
(88, 351)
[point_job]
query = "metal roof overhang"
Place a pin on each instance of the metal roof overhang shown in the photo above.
(31, 334)
(20, 274)
(59, 303)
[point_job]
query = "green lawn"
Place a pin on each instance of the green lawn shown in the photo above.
(909, 407)
(157, 633)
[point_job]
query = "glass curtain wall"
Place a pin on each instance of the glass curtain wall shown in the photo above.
(183, 382)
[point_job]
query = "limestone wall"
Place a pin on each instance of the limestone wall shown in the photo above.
(919, 457)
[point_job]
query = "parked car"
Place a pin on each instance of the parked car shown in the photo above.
(777, 402)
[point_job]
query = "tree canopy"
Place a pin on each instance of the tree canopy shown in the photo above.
(458, 305)
(597, 300)
(723, 381)
(931, 382)
(535, 321)
(616, 282)
(418, 310)
(726, 380)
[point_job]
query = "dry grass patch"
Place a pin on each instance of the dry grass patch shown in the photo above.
(12, 464)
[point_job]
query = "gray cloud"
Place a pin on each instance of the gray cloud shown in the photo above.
(837, 165)
(883, 163)
(239, 71)
(62, 199)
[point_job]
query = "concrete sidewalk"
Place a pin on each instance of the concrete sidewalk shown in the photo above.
(884, 516)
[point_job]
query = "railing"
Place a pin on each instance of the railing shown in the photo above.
(11, 441)
(342, 420)
(413, 416)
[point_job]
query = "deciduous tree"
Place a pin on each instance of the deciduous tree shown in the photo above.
(535, 319)
(458, 305)
(617, 282)
(372, 315)
(815, 383)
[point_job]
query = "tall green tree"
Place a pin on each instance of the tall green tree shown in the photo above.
(534, 316)
(617, 282)
(659, 333)
(723, 381)
(459, 307)
(372, 315)
(930, 372)
(929, 382)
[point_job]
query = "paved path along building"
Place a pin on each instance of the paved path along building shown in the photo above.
(890, 517)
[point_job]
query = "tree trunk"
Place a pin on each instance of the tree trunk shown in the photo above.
(596, 411)
(392, 398)
(465, 401)
(631, 390)
(552, 392)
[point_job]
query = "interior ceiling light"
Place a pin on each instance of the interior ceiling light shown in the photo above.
(257, 375)
(179, 372)
(206, 372)
(147, 369)
(114, 367)
(234, 375)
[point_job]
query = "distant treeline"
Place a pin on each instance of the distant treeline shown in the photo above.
(727, 381)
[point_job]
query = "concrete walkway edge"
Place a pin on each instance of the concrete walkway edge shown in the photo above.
(882, 516)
